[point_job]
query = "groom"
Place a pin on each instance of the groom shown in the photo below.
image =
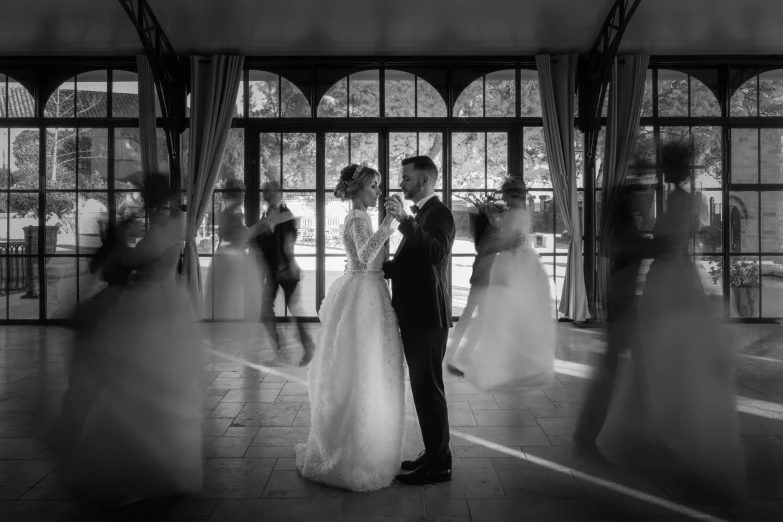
(420, 296)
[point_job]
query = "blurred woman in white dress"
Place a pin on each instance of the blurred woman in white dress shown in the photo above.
(356, 379)
(688, 372)
(139, 432)
(511, 341)
(235, 275)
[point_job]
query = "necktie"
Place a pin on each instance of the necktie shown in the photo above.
(415, 209)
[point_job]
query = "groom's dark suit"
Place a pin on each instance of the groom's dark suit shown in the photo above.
(422, 301)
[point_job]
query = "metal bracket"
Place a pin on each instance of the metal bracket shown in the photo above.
(170, 73)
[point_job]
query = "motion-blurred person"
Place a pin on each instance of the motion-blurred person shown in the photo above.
(276, 237)
(623, 320)
(486, 224)
(139, 431)
(512, 340)
(688, 372)
(234, 277)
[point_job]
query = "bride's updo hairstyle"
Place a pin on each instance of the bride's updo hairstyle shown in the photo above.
(353, 179)
(675, 160)
(156, 191)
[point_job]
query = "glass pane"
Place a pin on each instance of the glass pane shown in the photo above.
(302, 205)
(744, 101)
(61, 283)
(93, 159)
(672, 93)
(744, 156)
(91, 95)
(163, 153)
(92, 219)
(501, 94)
(709, 236)
(336, 157)
(5, 164)
(599, 156)
(264, 99)
(61, 159)
(61, 213)
(233, 164)
(772, 155)
(334, 104)
(400, 94)
(461, 270)
(708, 157)
(605, 106)
(560, 237)
(295, 104)
(23, 212)
(431, 144)
(61, 102)
(89, 284)
(125, 94)
(470, 103)
(3, 102)
(530, 94)
(647, 99)
(743, 222)
(23, 287)
(772, 221)
(127, 158)
(25, 153)
(21, 103)
(535, 158)
(269, 156)
(463, 207)
(364, 149)
(542, 223)
(299, 161)
(497, 159)
(239, 105)
(365, 95)
(703, 101)
(579, 156)
(468, 164)
(710, 269)
(401, 145)
(771, 94)
(772, 286)
(429, 102)
(744, 285)
(130, 205)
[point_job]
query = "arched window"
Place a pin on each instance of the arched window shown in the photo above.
(494, 95)
(762, 95)
(15, 100)
(408, 96)
(272, 96)
(83, 96)
(680, 94)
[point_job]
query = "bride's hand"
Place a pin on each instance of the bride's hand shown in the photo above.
(387, 221)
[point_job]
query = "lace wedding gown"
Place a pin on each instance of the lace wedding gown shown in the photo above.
(510, 341)
(356, 380)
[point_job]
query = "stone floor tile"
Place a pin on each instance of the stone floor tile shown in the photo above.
(236, 477)
(17, 476)
(395, 500)
(291, 484)
(266, 415)
(278, 510)
(505, 418)
(228, 447)
(539, 484)
(550, 510)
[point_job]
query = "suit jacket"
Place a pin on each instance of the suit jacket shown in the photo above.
(419, 270)
(277, 250)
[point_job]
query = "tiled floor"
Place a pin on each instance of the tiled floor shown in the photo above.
(512, 460)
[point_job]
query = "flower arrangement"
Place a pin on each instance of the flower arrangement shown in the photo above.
(744, 272)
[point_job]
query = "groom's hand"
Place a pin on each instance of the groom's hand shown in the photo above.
(396, 208)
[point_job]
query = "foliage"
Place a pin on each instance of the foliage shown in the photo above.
(744, 272)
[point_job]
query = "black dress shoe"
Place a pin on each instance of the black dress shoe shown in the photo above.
(410, 465)
(453, 370)
(422, 476)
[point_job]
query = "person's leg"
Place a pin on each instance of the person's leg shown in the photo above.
(424, 352)
(458, 333)
(268, 312)
(294, 305)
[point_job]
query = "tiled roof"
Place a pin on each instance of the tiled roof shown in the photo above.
(125, 105)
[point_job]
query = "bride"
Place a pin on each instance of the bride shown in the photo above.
(356, 380)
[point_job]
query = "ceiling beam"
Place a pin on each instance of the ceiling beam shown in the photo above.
(170, 74)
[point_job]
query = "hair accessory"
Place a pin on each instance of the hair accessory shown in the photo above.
(360, 167)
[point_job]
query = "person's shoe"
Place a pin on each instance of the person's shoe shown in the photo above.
(422, 476)
(307, 357)
(454, 370)
(410, 465)
(592, 455)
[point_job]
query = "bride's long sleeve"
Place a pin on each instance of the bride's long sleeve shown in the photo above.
(368, 244)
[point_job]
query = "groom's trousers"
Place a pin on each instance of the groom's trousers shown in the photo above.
(425, 349)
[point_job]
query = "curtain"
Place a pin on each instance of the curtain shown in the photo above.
(147, 126)
(626, 93)
(214, 81)
(557, 78)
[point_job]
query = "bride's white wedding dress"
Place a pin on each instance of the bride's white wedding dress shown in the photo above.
(356, 379)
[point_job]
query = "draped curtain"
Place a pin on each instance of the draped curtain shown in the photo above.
(215, 82)
(147, 125)
(557, 77)
(626, 93)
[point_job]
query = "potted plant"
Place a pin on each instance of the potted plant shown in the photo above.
(711, 237)
(744, 279)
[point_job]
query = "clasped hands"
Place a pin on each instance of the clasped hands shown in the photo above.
(395, 209)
